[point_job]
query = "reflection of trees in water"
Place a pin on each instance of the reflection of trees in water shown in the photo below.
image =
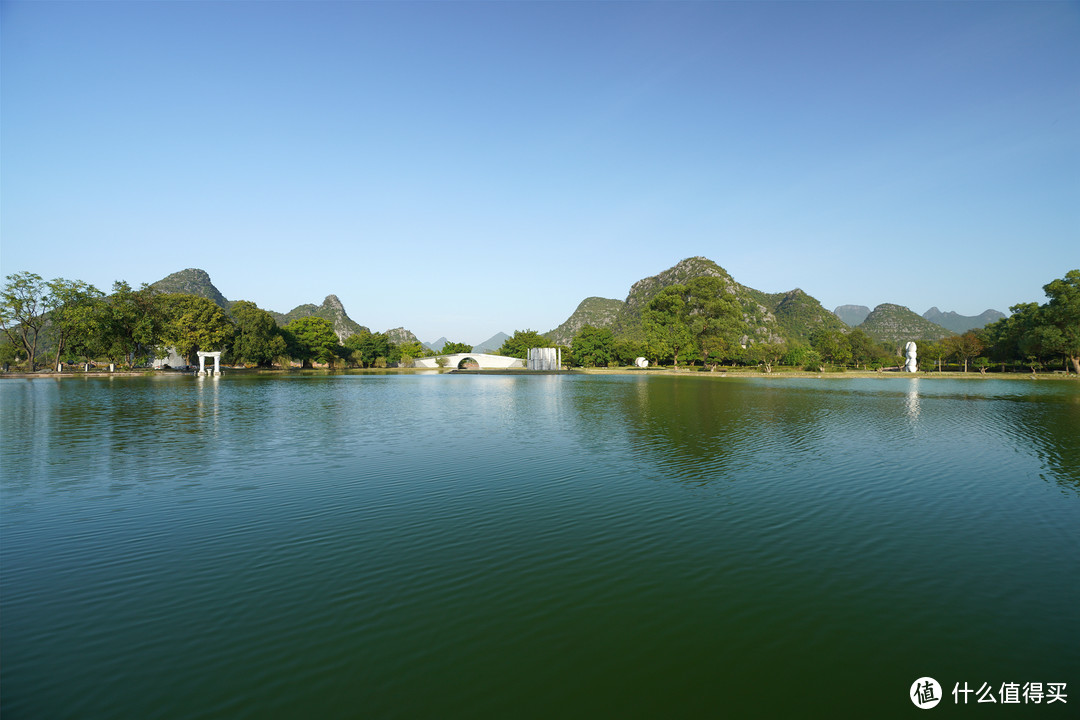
(698, 429)
(1051, 425)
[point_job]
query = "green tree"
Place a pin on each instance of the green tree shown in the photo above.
(1063, 312)
(666, 325)
(131, 324)
(834, 346)
(964, 347)
(407, 352)
(521, 342)
(863, 349)
(766, 355)
(449, 348)
(257, 338)
(593, 347)
(626, 351)
(8, 352)
(24, 302)
(714, 319)
(1005, 337)
(933, 351)
(192, 323)
(365, 348)
(76, 316)
(312, 339)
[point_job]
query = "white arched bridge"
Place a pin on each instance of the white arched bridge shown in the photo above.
(471, 361)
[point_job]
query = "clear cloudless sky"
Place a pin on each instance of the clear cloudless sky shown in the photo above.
(464, 168)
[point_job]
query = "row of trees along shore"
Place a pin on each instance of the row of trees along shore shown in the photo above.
(699, 324)
(70, 321)
(693, 325)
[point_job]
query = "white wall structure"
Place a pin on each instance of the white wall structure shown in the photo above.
(485, 361)
(911, 364)
(173, 360)
(545, 359)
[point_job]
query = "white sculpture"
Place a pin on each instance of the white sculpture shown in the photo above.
(641, 362)
(544, 359)
(910, 353)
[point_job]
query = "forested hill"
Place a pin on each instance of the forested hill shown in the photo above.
(596, 311)
(331, 309)
(194, 281)
(776, 317)
(896, 323)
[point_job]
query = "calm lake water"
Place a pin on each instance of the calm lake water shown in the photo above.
(542, 546)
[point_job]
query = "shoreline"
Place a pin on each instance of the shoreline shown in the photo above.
(657, 372)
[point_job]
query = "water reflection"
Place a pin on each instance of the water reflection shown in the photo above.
(913, 399)
(702, 430)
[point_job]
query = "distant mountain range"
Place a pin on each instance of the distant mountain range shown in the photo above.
(492, 344)
(857, 315)
(962, 323)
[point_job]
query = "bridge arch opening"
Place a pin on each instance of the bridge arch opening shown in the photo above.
(468, 364)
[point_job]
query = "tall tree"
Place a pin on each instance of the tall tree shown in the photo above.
(407, 352)
(521, 342)
(935, 352)
(766, 354)
(133, 324)
(193, 323)
(834, 346)
(964, 347)
(1063, 312)
(593, 347)
(666, 324)
(24, 302)
(365, 348)
(257, 339)
(863, 349)
(312, 339)
(714, 319)
(450, 348)
(76, 314)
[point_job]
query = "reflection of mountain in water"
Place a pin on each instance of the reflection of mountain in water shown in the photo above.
(700, 430)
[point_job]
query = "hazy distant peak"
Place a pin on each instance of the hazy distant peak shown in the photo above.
(852, 314)
(962, 323)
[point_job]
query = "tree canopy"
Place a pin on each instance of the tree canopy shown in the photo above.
(593, 347)
(521, 342)
(312, 339)
(24, 301)
(257, 338)
(450, 348)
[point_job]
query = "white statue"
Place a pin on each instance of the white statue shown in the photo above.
(641, 362)
(909, 352)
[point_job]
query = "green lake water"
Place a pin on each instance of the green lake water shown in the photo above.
(445, 546)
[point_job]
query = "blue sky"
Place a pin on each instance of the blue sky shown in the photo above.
(463, 168)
